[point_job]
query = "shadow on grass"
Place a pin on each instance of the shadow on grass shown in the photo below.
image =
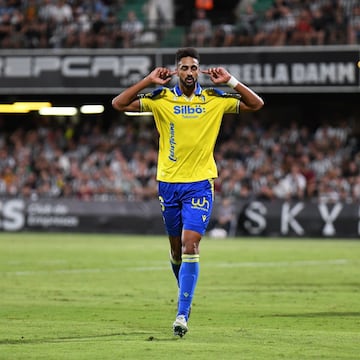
(22, 340)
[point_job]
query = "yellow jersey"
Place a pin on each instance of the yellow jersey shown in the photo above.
(188, 129)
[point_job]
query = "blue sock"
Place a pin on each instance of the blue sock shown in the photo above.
(175, 265)
(188, 275)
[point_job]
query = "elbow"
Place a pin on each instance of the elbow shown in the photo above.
(255, 104)
(116, 105)
(258, 105)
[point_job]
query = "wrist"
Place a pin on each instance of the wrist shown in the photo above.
(148, 80)
(233, 81)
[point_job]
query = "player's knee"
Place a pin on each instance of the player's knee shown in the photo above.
(190, 242)
(190, 247)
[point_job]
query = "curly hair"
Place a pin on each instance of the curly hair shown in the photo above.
(184, 52)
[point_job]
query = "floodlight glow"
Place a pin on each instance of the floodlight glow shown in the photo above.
(33, 106)
(23, 107)
(11, 109)
(92, 109)
(59, 111)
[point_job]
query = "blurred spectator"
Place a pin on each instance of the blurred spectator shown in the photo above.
(31, 10)
(113, 31)
(354, 25)
(224, 220)
(356, 189)
(200, 32)
(47, 11)
(320, 164)
(338, 28)
(333, 188)
(5, 29)
(131, 30)
(160, 14)
(318, 24)
(99, 37)
(102, 7)
(268, 29)
(256, 160)
(84, 27)
(310, 177)
(303, 31)
(246, 26)
(223, 35)
(292, 186)
(63, 26)
(261, 185)
(63, 12)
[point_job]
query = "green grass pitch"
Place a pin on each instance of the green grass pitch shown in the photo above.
(93, 296)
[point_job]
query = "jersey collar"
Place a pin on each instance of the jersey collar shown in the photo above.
(176, 89)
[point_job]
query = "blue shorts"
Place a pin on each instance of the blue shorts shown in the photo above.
(186, 206)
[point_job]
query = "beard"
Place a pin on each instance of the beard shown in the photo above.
(186, 83)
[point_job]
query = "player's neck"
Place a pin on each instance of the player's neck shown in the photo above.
(188, 92)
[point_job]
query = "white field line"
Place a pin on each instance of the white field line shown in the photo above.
(285, 263)
(255, 264)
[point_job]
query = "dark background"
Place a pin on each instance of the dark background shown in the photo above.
(311, 109)
(185, 11)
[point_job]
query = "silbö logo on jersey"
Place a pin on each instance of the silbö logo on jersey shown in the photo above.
(188, 111)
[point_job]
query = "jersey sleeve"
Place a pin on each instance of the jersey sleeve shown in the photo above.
(146, 100)
(232, 105)
(229, 101)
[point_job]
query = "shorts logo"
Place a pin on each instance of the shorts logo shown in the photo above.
(201, 204)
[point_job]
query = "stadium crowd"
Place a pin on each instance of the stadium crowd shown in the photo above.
(111, 24)
(289, 22)
(118, 161)
(255, 160)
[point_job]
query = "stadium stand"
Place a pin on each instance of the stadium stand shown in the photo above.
(90, 161)
(43, 159)
(71, 24)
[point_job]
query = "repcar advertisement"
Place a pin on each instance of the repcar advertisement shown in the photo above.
(255, 218)
(293, 69)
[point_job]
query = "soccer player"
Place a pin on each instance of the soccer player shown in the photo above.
(188, 119)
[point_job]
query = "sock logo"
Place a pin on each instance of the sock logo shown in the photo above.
(186, 294)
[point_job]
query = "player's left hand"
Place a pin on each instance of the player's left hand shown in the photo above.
(218, 75)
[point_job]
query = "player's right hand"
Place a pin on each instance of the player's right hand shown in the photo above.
(161, 75)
